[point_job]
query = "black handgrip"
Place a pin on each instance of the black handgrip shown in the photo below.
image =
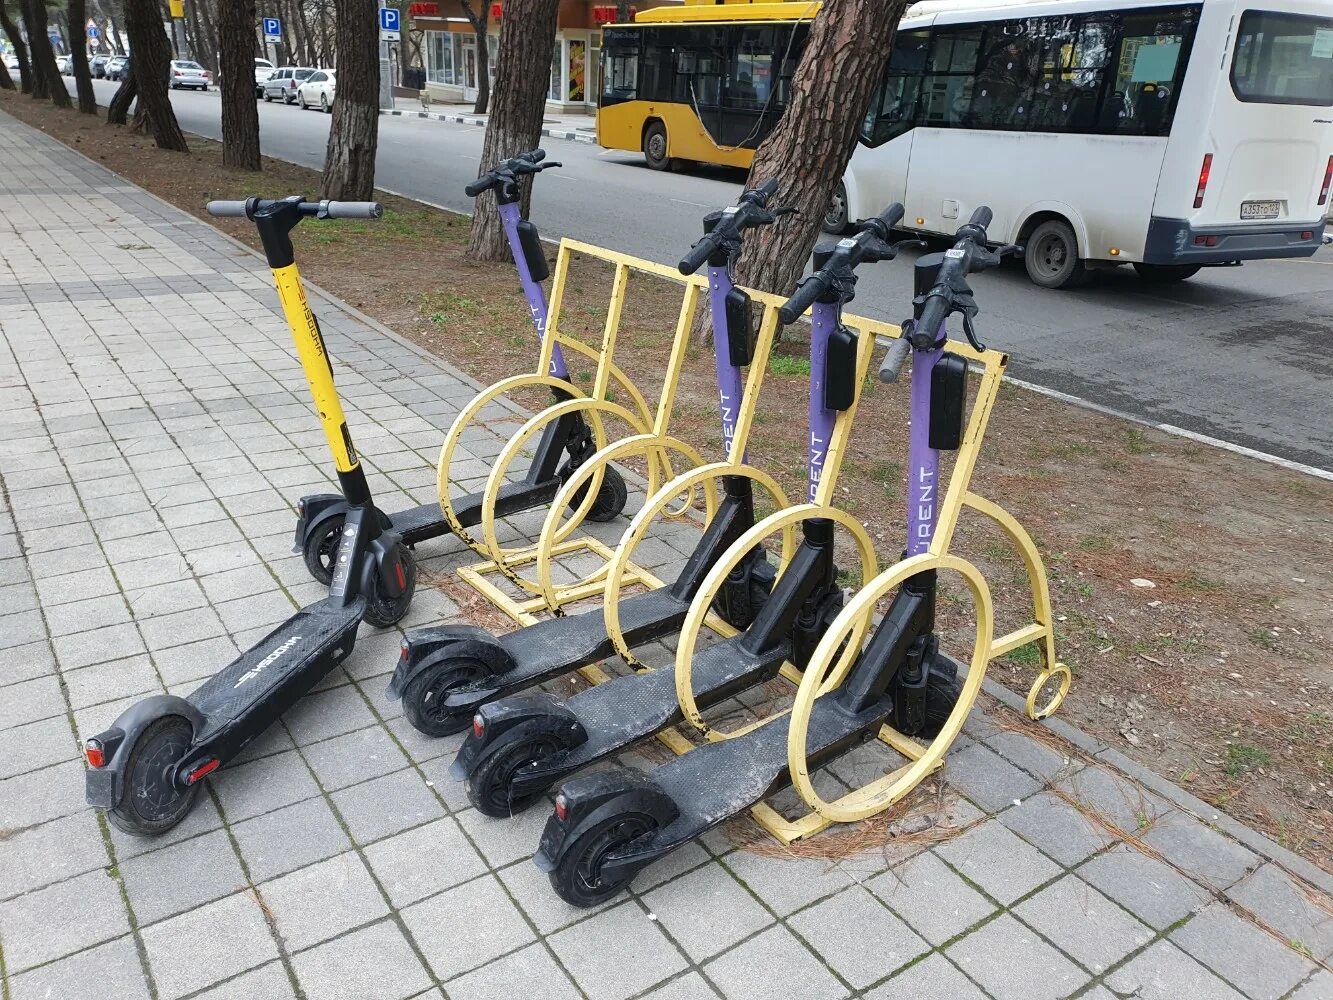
(351, 209)
(933, 314)
(893, 215)
(769, 188)
(478, 186)
(699, 253)
(532, 155)
(226, 209)
(981, 217)
(809, 290)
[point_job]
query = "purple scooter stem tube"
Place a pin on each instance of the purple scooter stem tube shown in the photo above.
(728, 375)
(823, 321)
(923, 461)
(532, 291)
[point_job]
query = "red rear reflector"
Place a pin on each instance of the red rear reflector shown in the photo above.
(561, 808)
(1328, 178)
(203, 770)
(1204, 171)
(402, 577)
(95, 753)
(478, 726)
(405, 650)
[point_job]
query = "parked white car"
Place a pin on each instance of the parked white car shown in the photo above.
(65, 64)
(319, 88)
(283, 82)
(188, 73)
(263, 70)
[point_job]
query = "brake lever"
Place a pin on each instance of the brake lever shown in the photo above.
(971, 332)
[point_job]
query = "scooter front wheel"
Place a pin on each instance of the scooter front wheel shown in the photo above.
(578, 878)
(321, 548)
(153, 801)
(611, 498)
(490, 785)
(424, 698)
(382, 610)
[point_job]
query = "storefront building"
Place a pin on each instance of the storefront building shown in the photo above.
(449, 50)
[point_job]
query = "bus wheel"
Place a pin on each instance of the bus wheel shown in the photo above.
(1165, 274)
(655, 147)
(835, 219)
(1052, 256)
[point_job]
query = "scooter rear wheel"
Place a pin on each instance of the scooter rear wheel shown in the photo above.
(382, 610)
(321, 549)
(490, 785)
(611, 498)
(423, 699)
(153, 802)
(578, 878)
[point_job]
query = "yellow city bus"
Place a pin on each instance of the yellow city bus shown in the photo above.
(702, 82)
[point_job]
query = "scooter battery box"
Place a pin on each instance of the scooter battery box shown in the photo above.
(840, 374)
(740, 331)
(532, 250)
(948, 402)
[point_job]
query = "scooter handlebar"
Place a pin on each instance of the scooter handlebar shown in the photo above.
(892, 364)
(351, 209)
(320, 209)
(809, 290)
(698, 255)
(477, 187)
(226, 209)
(981, 217)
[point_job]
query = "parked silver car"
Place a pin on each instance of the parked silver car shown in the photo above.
(284, 81)
(188, 73)
(117, 67)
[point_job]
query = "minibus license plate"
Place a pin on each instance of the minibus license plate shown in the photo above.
(1260, 209)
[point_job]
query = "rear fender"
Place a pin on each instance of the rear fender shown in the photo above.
(591, 799)
(425, 647)
(313, 512)
(514, 719)
(104, 786)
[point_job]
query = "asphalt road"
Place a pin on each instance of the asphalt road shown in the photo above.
(1240, 354)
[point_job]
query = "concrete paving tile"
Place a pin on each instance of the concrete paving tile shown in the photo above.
(1248, 958)
(31, 701)
(409, 865)
(1083, 923)
(503, 841)
(530, 972)
(268, 982)
(38, 796)
(706, 911)
(209, 945)
(324, 714)
(79, 586)
(988, 956)
(494, 926)
(932, 898)
(386, 805)
(374, 963)
(988, 779)
(289, 838)
(51, 852)
(1319, 987)
(322, 900)
(1152, 891)
(773, 964)
(1120, 803)
(1199, 851)
(98, 973)
(994, 858)
(1048, 822)
(353, 757)
(37, 927)
(1288, 907)
(182, 876)
(1164, 972)
(787, 883)
(642, 957)
(859, 938)
(263, 785)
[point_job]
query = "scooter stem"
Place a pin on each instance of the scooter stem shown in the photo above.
(510, 216)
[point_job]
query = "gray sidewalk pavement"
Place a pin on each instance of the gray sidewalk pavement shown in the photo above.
(156, 431)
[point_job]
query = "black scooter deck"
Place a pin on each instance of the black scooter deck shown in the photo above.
(419, 523)
(273, 674)
(555, 646)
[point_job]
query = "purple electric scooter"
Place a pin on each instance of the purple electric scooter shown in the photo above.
(610, 825)
(563, 446)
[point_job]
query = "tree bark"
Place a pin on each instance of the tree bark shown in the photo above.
(6, 81)
(150, 55)
(523, 75)
(240, 112)
(480, 21)
(20, 49)
(83, 79)
(117, 43)
(349, 165)
(808, 151)
(47, 81)
(118, 110)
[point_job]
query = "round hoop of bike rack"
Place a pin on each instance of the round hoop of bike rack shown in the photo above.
(655, 505)
(821, 676)
(594, 411)
(785, 521)
(1066, 678)
(651, 445)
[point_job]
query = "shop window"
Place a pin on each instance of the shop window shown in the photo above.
(578, 50)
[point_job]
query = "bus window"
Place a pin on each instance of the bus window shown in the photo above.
(1075, 52)
(1148, 67)
(1006, 77)
(700, 56)
(1283, 59)
(750, 76)
(946, 89)
(893, 109)
(620, 78)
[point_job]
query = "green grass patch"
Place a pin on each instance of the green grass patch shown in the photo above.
(783, 364)
(1242, 757)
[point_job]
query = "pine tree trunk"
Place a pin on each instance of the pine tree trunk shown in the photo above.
(523, 74)
(240, 112)
(83, 79)
(118, 110)
(20, 49)
(46, 77)
(210, 34)
(808, 151)
(349, 164)
(117, 45)
(150, 51)
(195, 41)
(6, 81)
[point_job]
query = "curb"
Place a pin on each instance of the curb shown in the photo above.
(554, 133)
(1102, 752)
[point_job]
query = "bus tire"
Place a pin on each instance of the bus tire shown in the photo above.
(1052, 256)
(1166, 274)
(835, 219)
(655, 146)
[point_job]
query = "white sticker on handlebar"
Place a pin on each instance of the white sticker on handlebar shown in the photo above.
(953, 252)
(730, 211)
(846, 244)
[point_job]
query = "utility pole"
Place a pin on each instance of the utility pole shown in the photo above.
(178, 28)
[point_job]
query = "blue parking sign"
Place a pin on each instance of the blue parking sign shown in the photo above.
(390, 19)
(272, 28)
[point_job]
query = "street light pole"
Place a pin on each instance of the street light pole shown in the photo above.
(178, 28)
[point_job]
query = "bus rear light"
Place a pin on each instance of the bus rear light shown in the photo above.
(1308, 234)
(1204, 171)
(1206, 241)
(1328, 177)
